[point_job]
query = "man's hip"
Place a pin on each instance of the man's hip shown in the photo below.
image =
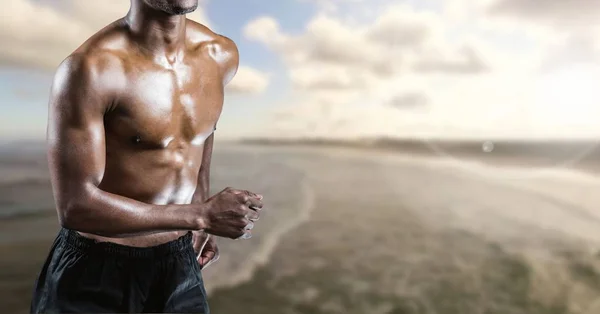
(82, 275)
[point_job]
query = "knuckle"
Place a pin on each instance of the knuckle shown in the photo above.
(243, 223)
(236, 225)
(231, 190)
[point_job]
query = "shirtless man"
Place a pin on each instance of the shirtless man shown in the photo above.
(131, 123)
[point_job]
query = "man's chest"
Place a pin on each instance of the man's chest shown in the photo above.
(160, 106)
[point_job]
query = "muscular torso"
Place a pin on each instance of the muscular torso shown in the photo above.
(161, 114)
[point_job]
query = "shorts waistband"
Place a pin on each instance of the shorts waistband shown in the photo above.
(82, 243)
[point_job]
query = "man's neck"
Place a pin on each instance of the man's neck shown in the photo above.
(161, 34)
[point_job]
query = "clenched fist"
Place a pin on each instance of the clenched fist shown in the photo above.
(231, 213)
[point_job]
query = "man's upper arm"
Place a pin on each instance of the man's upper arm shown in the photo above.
(75, 135)
(230, 60)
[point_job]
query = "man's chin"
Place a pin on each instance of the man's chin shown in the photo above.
(182, 11)
(174, 7)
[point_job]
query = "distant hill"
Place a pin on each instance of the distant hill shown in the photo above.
(541, 150)
(537, 149)
(22, 146)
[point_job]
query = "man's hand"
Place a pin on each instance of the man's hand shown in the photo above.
(206, 248)
(231, 213)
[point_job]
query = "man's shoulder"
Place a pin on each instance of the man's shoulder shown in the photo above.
(200, 36)
(88, 69)
(102, 55)
(103, 51)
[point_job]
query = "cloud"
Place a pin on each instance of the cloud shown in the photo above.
(568, 31)
(264, 29)
(409, 100)
(332, 5)
(558, 13)
(551, 23)
(333, 54)
(41, 35)
(466, 61)
(249, 81)
(577, 48)
(403, 27)
(413, 72)
(37, 35)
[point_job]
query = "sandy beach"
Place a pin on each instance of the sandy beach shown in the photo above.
(355, 231)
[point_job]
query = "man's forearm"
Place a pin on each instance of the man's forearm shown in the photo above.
(203, 184)
(106, 214)
(202, 190)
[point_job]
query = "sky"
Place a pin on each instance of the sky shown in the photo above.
(478, 69)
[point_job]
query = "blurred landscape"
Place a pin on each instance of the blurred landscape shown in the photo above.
(583, 154)
(408, 177)
(370, 227)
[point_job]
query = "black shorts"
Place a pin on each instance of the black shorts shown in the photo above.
(85, 276)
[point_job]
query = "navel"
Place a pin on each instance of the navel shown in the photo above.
(136, 139)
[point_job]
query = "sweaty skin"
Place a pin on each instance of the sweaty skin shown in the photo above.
(132, 116)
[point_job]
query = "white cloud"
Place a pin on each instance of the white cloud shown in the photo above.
(412, 72)
(548, 21)
(249, 81)
(410, 100)
(558, 13)
(342, 66)
(465, 60)
(333, 54)
(265, 29)
(332, 5)
(33, 34)
(567, 31)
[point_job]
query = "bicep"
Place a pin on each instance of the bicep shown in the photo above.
(75, 136)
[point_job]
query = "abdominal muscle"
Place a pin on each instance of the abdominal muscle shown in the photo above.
(152, 176)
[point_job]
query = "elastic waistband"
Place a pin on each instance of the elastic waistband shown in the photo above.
(82, 243)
